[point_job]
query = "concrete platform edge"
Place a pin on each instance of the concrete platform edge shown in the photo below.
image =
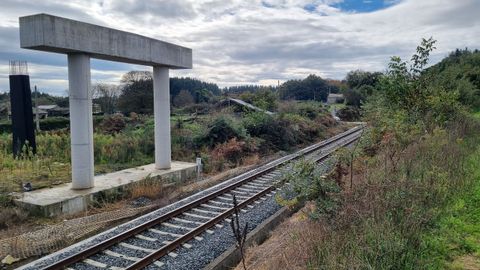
(82, 202)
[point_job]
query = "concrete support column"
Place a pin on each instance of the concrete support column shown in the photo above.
(81, 125)
(161, 109)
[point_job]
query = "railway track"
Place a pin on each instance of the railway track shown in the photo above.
(144, 244)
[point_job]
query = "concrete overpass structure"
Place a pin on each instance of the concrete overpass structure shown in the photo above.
(81, 41)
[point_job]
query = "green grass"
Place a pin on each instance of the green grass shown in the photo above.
(338, 106)
(457, 233)
(477, 114)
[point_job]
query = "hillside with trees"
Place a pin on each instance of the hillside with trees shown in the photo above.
(406, 195)
(458, 73)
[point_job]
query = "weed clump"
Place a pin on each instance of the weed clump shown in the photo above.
(308, 183)
(221, 130)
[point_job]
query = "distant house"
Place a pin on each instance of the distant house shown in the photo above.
(335, 98)
(45, 111)
(59, 111)
(54, 110)
(42, 114)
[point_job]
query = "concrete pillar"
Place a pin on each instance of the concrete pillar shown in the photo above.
(81, 125)
(161, 109)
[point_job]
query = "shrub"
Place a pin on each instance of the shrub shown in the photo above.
(353, 97)
(303, 129)
(257, 123)
(309, 109)
(53, 123)
(221, 130)
(263, 98)
(349, 113)
(50, 123)
(309, 184)
(112, 124)
(199, 108)
(183, 98)
(276, 134)
(231, 151)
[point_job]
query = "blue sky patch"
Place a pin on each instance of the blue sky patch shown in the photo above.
(310, 7)
(360, 6)
(268, 5)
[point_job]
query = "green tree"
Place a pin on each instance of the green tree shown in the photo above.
(358, 78)
(247, 88)
(459, 72)
(311, 88)
(183, 98)
(309, 183)
(406, 95)
(137, 96)
(221, 130)
(202, 95)
(353, 97)
(137, 91)
(263, 98)
(405, 88)
(201, 91)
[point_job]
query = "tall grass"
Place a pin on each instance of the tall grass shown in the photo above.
(400, 196)
(51, 164)
(123, 142)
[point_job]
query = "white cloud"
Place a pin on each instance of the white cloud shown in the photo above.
(238, 41)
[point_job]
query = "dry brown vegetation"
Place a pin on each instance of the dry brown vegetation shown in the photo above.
(397, 195)
(289, 247)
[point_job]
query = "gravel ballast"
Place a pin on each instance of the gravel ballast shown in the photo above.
(197, 257)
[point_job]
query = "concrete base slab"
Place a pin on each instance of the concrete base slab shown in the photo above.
(63, 200)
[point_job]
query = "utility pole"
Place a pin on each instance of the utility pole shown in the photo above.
(37, 120)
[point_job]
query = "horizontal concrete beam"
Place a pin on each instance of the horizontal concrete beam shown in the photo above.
(45, 32)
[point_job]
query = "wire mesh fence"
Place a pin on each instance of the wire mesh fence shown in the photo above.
(54, 237)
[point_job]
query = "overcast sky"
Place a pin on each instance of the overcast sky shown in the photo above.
(252, 42)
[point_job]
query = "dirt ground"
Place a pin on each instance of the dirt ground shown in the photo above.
(288, 246)
(467, 262)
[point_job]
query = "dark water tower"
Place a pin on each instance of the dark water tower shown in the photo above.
(21, 104)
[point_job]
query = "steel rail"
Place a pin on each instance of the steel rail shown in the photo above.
(94, 249)
(152, 257)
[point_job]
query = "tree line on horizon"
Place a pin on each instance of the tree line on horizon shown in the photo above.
(460, 71)
(135, 92)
